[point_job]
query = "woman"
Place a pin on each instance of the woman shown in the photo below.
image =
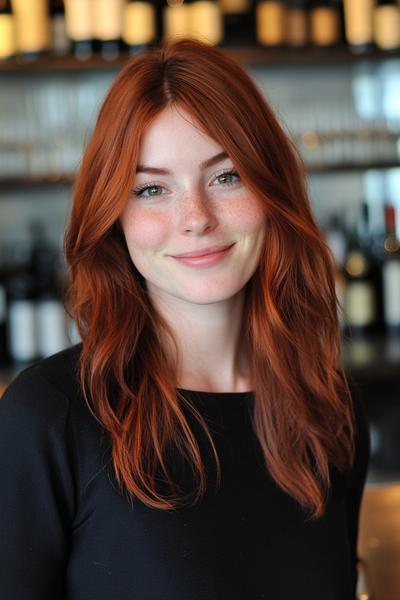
(202, 442)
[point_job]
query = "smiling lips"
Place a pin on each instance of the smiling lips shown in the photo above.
(203, 252)
(198, 259)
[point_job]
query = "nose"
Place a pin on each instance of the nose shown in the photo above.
(196, 213)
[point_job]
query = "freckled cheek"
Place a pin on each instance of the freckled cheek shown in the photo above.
(146, 232)
(249, 216)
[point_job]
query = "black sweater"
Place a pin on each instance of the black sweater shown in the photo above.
(67, 533)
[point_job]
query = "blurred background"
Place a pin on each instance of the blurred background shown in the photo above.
(330, 69)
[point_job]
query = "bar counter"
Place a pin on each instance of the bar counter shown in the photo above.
(379, 540)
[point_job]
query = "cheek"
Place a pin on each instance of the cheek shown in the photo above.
(144, 230)
(249, 215)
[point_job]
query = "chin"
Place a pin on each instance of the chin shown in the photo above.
(209, 297)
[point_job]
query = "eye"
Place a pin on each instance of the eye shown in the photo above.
(226, 177)
(140, 190)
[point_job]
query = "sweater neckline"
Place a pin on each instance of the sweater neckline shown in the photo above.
(218, 399)
(201, 392)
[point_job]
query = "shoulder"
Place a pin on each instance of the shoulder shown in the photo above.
(44, 388)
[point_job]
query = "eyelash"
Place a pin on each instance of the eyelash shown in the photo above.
(140, 189)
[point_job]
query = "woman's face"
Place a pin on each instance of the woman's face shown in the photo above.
(179, 205)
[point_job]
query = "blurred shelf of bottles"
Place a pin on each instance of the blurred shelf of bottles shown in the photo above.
(367, 258)
(30, 29)
(44, 121)
(33, 321)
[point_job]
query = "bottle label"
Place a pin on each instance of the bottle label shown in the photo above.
(270, 23)
(234, 6)
(391, 292)
(360, 305)
(387, 27)
(2, 304)
(8, 43)
(139, 23)
(78, 19)
(107, 19)
(324, 26)
(59, 40)
(205, 21)
(32, 25)
(22, 330)
(358, 21)
(296, 27)
(51, 327)
(176, 21)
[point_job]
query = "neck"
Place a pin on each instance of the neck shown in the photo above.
(212, 356)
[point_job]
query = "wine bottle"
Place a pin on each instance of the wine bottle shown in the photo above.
(205, 21)
(358, 24)
(21, 313)
(336, 240)
(270, 23)
(4, 355)
(238, 22)
(8, 42)
(32, 26)
(386, 25)
(296, 23)
(324, 23)
(176, 19)
(60, 43)
(79, 25)
(391, 271)
(107, 26)
(139, 28)
(50, 314)
(360, 294)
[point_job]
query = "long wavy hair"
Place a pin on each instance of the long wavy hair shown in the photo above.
(302, 415)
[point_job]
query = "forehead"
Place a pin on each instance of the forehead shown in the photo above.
(175, 134)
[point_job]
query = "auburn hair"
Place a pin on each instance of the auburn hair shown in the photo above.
(303, 415)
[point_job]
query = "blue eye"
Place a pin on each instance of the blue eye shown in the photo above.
(228, 175)
(139, 191)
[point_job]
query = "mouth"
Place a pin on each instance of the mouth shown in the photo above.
(204, 252)
(205, 260)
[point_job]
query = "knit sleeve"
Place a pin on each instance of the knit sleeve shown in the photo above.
(357, 479)
(37, 489)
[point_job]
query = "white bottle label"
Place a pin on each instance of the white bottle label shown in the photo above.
(22, 330)
(50, 327)
(2, 303)
(72, 332)
(391, 292)
(360, 305)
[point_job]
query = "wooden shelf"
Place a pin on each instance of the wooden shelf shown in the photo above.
(13, 183)
(246, 55)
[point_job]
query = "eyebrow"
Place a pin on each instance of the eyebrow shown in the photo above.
(204, 165)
